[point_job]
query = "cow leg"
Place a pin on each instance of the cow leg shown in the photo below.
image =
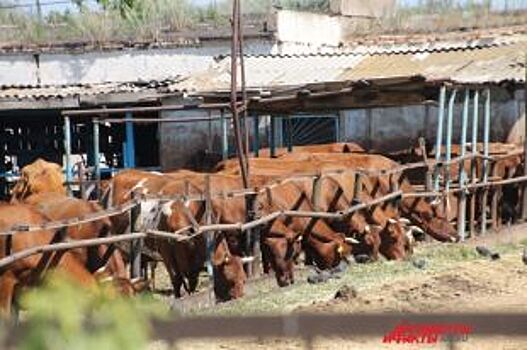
(166, 255)
(8, 283)
(193, 279)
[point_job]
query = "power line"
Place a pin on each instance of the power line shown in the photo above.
(42, 4)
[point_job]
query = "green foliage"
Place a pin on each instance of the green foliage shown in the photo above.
(63, 316)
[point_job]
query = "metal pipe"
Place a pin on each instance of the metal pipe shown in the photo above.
(289, 134)
(337, 128)
(439, 136)
(524, 188)
(96, 156)
(130, 141)
(473, 169)
(449, 130)
(224, 136)
(256, 136)
(486, 136)
(67, 151)
(463, 196)
(272, 138)
(110, 111)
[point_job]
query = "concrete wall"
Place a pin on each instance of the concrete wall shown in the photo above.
(364, 8)
(115, 66)
(198, 145)
(317, 30)
(391, 129)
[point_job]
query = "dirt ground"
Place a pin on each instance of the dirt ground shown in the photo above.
(471, 284)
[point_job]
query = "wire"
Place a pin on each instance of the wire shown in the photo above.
(42, 4)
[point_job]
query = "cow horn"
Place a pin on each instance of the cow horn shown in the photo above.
(106, 279)
(410, 236)
(227, 259)
(404, 221)
(435, 202)
(392, 221)
(299, 238)
(351, 240)
(417, 229)
(247, 259)
(367, 229)
(136, 280)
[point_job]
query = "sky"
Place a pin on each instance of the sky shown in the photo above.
(62, 5)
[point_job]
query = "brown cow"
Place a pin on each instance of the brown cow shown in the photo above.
(39, 177)
(60, 207)
(419, 211)
(340, 147)
(28, 271)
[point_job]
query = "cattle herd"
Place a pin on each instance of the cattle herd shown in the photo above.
(318, 178)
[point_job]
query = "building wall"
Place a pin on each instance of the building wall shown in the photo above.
(363, 8)
(115, 66)
(397, 128)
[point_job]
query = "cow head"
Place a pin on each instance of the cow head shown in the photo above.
(394, 240)
(39, 177)
(430, 217)
(283, 246)
(327, 252)
(229, 275)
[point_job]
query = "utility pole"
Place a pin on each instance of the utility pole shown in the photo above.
(235, 107)
(39, 11)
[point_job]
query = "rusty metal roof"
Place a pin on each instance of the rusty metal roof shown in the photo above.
(497, 61)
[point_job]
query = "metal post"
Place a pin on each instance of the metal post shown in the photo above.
(67, 151)
(96, 156)
(439, 137)
(130, 142)
(450, 120)
(462, 206)
(289, 134)
(486, 136)
(272, 137)
(524, 187)
(473, 170)
(256, 136)
(137, 245)
(209, 236)
(224, 136)
(337, 128)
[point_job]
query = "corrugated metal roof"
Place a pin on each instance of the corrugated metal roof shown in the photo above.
(64, 91)
(490, 64)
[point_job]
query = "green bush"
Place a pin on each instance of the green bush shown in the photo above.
(61, 315)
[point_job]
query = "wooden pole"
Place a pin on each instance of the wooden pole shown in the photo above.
(136, 246)
(234, 93)
(256, 136)
(524, 187)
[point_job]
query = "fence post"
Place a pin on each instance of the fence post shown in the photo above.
(439, 136)
(357, 186)
(494, 201)
(462, 204)
(67, 151)
(272, 137)
(289, 134)
(130, 141)
(224, 136)
(473, 170)
(450, 120)
(337, 128)
(524, 186)
(136, 246)
(252, 236)
(428, 176)
(96, 156)
(256, 139)
(82, 184)
(486, 134)
(209, 236)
